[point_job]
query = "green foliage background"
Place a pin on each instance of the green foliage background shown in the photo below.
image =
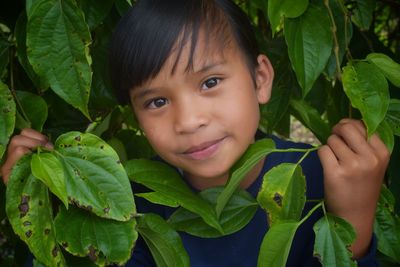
(332, 59)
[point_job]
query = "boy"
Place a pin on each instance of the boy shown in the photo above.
(193, 74)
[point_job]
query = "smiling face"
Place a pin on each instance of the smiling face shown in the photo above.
(202, 119)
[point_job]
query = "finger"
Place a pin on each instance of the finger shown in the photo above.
(12, 158)
(340, 149)
(360, 126)
(353, 134)
(328, 159)
(25, 141)
(379, 147)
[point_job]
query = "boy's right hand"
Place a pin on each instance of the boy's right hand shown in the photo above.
(20, 145)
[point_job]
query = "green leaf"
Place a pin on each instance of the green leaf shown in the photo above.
(387, 226)
(333, 237)
(95, 178)
(95, 11)
(276, 244)
(47, 168)
(35, 108)
(164, 243)
(309, 44)
(163, 179)
(284, 8)
(237, 213)
(362, 14)
(393, 115)
(254, 153)
(310, 117)
(385, 132)
(58, 48)
(367, 89)
(387, 66)
(159, 198)
(29, 211)
(282, 193)
(7, 117)
(104, 241)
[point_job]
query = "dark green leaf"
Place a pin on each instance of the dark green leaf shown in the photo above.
(163, 179)
(393, 116)
(388, 66)
(95, 11)
(276, 244)
(237, 213)
(58, 48)
(30, 214)
(333, 237)
(387, 226)
(362, 14)
(159, 198)
(4, 55)
(254, 153)
(284, 8)
(164, 243)
(35, 108)
(102, 240)
(95, 178)
(7, 117)
(309, 44)
(367, 89)
(282, 193)
(47, 168)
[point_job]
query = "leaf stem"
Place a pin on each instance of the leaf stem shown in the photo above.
(312, 211)
(336, 48)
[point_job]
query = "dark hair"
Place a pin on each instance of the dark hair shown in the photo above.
(147, 33)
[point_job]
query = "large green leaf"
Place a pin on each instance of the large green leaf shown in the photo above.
(7, 117)
(249, 159)
(95, 11)
(276, 244)
(164, 243)
(102, 240)
(47, 168)
(309, 40)
(237, 213)
(29, 211)
(35, 108)
(387, 226)
(362, 14)
(388, 66)
(95, 178)
(333, 237)
(163, 179)
(393, 115)
(284, 8)
(367, 89)
(57, 46)
(282, 193)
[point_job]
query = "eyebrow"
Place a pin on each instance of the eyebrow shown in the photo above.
(210, 66)
(143, 92)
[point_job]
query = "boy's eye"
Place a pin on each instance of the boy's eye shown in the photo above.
(210, 83)
(156, 103)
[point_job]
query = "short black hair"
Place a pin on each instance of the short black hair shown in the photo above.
(146, 35)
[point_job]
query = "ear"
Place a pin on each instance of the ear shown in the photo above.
(264, 76)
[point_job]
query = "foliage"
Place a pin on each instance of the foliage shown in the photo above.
(332, 59)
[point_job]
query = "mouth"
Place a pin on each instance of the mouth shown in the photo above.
(204, 150)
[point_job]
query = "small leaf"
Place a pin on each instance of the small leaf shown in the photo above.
(282, 193)
(237, 214)
(159, 198)
(30, 213)
(254, 153)
(309, 44)
(104, 241)
(362, 14)
(276, 244)
(393, 116)
(163, 179)
(387, 66)
(387, 226)
(47, 168)
(35, 108)
(7, 117)
(95, 178)
(58, 48)
(333, 237)
(284, 8)
(164, 243)
(367, 89)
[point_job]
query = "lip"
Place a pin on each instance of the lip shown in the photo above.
(204, 150)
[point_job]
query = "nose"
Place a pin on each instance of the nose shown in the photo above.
(190, 116)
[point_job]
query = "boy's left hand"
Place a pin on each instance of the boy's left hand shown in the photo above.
(354, 168)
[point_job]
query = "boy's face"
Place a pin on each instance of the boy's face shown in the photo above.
(203, 120)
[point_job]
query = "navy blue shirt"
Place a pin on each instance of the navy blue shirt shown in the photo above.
(242, 248)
